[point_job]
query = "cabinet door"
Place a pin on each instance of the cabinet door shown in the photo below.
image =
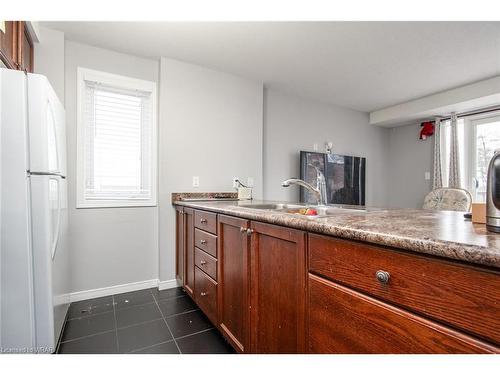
(179, 244)
(341, 320)
(9, 44)
(25, 49)
(278, 289)
(233, 278)
(189, 250)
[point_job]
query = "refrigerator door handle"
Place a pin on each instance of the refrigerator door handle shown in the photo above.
(56, 174)
(53, 245)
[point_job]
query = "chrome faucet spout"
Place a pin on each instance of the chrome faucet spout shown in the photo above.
(315, 191)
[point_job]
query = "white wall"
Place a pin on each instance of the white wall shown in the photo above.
(49, 58)
(110, 246)
(292, 124)
(410, 158)
(211, 127)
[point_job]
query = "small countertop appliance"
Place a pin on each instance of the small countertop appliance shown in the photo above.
(493, 194)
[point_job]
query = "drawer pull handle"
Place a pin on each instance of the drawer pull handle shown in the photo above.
(383, 276)
(203, 221)
(203, 294)
(203, 242)
(243, 229)
(249, 231)
(203, 262)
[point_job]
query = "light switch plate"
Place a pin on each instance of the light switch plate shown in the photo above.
(427, 176)
(196, 181)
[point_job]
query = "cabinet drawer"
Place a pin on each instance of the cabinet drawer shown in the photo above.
(206, 294)
(459, 295)
(206, 242)
(206, 263)
(342, 320)
(206, 221)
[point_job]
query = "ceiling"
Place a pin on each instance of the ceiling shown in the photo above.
(360, 65)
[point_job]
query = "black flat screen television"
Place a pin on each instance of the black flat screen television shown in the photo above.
(344, 175)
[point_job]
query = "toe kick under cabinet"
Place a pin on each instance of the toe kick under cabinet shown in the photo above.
(274, 289)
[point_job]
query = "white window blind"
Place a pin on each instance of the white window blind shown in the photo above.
(117, 144)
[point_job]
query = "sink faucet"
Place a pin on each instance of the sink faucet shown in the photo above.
(319, 191)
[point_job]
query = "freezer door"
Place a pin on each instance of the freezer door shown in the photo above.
(47, 131)
(50, 257)
(17, 324)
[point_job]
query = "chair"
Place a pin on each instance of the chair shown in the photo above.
(448, 199)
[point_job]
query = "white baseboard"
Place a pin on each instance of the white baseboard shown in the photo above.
(115, 289)
(167, 284)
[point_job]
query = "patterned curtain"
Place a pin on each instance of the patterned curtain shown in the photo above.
(454, 175)
(437, 181)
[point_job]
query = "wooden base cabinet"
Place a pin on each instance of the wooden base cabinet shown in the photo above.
(233, 281)
(342, 320)
(189, 251)
(278, 289)
(179, 244)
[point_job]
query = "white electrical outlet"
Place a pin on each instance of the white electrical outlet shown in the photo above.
(427, 176)
(196, 181)
(235, 182)
(315, 147)
(250, 181)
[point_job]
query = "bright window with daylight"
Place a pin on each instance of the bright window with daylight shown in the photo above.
(116, 141)
(478, 138)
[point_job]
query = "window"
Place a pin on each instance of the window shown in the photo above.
(116, 147)
(478, 138)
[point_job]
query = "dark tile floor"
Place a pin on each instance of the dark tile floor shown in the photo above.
(145, 321)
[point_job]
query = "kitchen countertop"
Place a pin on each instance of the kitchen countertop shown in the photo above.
(441, 233)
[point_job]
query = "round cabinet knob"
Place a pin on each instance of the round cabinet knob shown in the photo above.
(203, 242)
(203, 221)
(203, 294)
(249, 231)
(202, 262)
(243, 229)
(383, 276)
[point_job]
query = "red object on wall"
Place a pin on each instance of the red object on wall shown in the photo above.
(427, 129)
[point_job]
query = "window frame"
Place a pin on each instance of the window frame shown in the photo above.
(472, 123)
(123, 82)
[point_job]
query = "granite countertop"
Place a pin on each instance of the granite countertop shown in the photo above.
(441, 233)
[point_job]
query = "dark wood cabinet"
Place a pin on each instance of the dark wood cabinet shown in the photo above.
(25, 48)
(273, 289)
(179, 244)
(278, 289)
(341, 320)
(8, 44)
(189, 251)
(206, 294)
(233, 281)
(440, 290)
(16, 46)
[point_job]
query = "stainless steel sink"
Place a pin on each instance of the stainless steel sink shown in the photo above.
(297, 209)
(273, 206)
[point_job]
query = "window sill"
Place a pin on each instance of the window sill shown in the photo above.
(115, 204)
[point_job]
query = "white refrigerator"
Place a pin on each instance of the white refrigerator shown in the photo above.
(34, 258)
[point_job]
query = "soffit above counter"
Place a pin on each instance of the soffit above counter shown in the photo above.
(471, 97)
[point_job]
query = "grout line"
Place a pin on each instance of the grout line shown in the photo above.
(165, 320)
(138, 324)
(89, 315)
(149, 346)
(116, 326)
(86, 336)
(195, 333)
